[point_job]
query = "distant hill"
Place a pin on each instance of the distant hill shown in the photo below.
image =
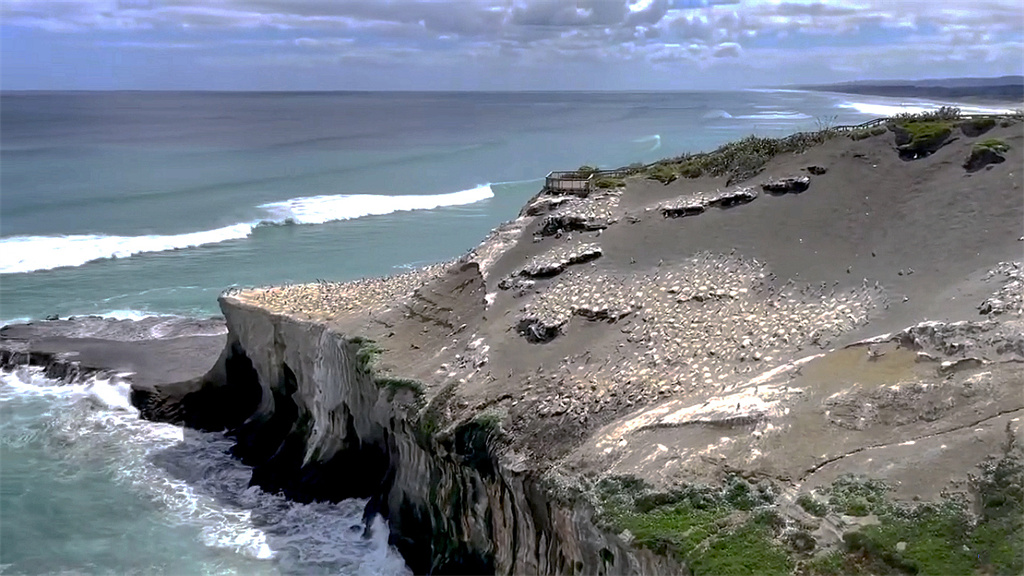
(1001, 88)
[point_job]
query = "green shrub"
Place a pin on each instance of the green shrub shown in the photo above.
(748, 549)
(944, 113)
(609, 182)
(366, 354)
(395, 385)
(922, 137)
(994, 144)
(812, 506)
(586, 171)
(878, 130)
(830, 564)
(860, 134)
(662, 173)
(690, 170)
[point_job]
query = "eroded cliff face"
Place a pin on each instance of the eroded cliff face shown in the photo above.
(326, 429)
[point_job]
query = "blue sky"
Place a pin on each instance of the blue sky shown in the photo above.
(498, 44)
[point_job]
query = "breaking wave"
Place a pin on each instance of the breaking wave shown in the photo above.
(20, 254)
(191, 478)
(654, 139)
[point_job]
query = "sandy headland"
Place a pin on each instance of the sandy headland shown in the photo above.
(752, 361)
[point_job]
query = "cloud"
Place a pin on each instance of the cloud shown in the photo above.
(660, 35)
(727, 50)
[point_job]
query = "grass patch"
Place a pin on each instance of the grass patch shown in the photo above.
(609, 182)
(691, 170)
(860, 134)
(367, 353)
(856, 497)
(663, 173)
(723, 531)
(942, 538)
(922, 137)
(994, 144)
(933, 540)
(812, 506)
(739, 160)
(735, 529)
(748, 549)
(944, 113)
(395, 385)
(830, 564)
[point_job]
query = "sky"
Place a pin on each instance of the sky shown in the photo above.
(498, 44)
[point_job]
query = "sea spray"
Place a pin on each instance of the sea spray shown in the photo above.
(190, 480)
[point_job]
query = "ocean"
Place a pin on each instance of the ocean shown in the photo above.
(128, 204)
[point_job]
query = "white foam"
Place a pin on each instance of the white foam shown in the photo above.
(321, 209)
(654, 139)
(888, 108)
(195, 481)
(31, 253)
(20, 254)
(715, 114)
(776, 116)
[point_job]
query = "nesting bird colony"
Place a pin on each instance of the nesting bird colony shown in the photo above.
(596, 212)
(695, 323)
(324, 299)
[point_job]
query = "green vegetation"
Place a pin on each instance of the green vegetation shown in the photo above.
(864, 133)
(585, 171)
(926, 540)
(856, 497)
(367, 352)
(812, 506)
(737, 528)
(922, 137)
(994, 144)
(609, 182)
(738, 160)
(944, 113)
(664, 173)
(748, 549)
(977, 126)
(832, 563)
(431, 418)
(490, 420)
(395, 385)
(726, 531)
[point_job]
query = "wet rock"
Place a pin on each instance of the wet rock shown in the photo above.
(817, 170)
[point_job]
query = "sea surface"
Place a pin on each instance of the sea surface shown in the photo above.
(129, 204)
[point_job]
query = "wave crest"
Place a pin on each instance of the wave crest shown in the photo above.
(322, 209)
(20, 254)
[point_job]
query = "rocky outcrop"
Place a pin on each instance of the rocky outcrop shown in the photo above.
(981, 157)
(793, 185)
(694, 205)
(327, 428)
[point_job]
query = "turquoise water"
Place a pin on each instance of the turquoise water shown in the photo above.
(128, 204)
(197, 192)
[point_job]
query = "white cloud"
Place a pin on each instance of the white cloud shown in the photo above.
(908, 34)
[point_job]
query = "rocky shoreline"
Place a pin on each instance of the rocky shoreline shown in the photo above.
(685, 334)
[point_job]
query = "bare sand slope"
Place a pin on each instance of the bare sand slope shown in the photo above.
(586, 314)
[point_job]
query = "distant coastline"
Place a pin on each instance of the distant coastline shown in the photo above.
(1001, 89)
